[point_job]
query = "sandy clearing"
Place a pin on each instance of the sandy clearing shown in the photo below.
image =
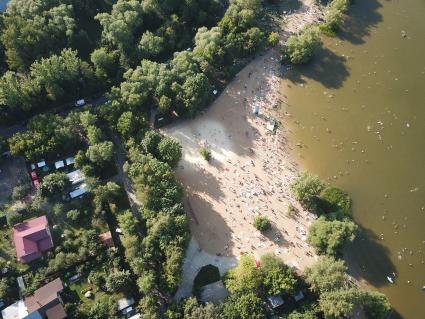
(251, 169)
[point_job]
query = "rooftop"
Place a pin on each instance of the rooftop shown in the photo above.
(31, 238)
(44, 295)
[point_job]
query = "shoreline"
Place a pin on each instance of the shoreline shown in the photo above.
(251, 169)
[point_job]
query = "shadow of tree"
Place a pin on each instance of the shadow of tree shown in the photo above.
(362, 17)
(368, 259)
(327, 68)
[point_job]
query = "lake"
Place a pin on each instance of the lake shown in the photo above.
(356, 115)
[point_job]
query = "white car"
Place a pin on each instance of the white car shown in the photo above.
(81, 102)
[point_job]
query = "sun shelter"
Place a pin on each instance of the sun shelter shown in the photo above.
(76, 176)
(70, 160)
(275, 301)
(124, 303)
(79, 191)
(59, 164)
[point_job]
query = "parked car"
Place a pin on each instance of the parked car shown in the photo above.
(79, 103)
(34, 175)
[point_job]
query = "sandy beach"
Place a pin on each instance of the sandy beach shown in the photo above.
(251, 167)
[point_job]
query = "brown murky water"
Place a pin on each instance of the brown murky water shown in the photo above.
(357, 113)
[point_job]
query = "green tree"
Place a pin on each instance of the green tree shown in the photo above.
(300, 48)
(151, 141)
(118, 281)
(306, 189)
(329, 237)
(63, 76)
(55, 183)
(170, 151)
(327, 274)
(308, 312)
(100, 153)
(7, 288)
(105, 194)
(278, 278)
(245, 278)
(149, 306)
(192, 310)
(151, 45)
(376, 305)
(171, 274)
(121, 26)
(32, 31)
(20, 191)
(103, 307)
(245, 306)
(106, 64)
(337, 304)
(334, 16)
(209, 46)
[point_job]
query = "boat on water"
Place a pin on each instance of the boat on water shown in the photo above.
(390, 279)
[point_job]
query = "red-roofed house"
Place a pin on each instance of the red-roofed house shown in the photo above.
(32, 238)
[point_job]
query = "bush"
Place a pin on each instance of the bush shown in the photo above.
(73, 214)
(20, 191)
(262, 223)
(335, 200)
(306, 189)
(300, 48)
(205, 153)
(14, 218)
(54, 183)
(292, 211)
(273, 39)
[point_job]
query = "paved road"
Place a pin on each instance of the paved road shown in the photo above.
(63, 110)
(195, 259)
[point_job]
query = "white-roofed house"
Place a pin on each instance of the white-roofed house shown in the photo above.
(70, 160)
(82, 189)
(76, 176)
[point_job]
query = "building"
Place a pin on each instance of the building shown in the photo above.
(82, 189)
(32, 238)
(75, 177)
(106, 238)
(275, 301)
(45, 303)
(124, 305)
